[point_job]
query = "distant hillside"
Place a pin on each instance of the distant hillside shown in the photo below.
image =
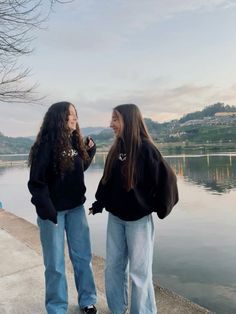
(198, 127)
(91, 130)
(14, 145)
(205, 126)
(208, 111)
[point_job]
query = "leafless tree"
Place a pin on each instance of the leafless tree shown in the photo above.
(18, 20)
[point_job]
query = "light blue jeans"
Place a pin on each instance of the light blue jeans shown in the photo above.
(74, 223)
(130, 243)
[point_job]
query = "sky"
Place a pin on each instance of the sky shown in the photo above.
(169, 57)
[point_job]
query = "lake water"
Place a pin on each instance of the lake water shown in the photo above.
(195, 247)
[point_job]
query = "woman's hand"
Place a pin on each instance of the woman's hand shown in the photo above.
(89, 143)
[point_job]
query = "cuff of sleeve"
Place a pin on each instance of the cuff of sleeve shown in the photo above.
(97, 208)
(91, 151)
(50, 215)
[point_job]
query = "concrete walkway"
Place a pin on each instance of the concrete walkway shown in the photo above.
(22, 279)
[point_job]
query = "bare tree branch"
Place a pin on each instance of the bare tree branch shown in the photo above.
(14, 87)
(18, 20)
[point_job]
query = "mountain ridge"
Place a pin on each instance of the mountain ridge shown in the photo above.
(215, 123)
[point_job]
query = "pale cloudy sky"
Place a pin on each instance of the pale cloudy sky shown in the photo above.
(170, 57)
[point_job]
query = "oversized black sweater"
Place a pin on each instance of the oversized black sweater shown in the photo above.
(50, 191)
(156, 189)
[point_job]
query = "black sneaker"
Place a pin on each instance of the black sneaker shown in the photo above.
(90, 309)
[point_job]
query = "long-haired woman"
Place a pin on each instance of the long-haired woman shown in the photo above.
(58, 159)
(136, 182)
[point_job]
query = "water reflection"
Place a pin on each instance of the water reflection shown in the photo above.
(98, 161)
(195, 246)
(13, 157)
(216, 173)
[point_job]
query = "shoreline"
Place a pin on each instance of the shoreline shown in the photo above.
(4, 163)
(178, 147)
(24, 162)
(26, 233)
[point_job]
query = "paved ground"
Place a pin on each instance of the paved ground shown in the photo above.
(22, 280)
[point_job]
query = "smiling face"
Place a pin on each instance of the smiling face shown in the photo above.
(117, 123)
(72, 118)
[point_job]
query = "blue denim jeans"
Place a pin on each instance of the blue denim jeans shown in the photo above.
(129, 251)
(74, 224)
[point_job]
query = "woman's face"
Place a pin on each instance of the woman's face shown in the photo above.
(72, 118)
(117, 123)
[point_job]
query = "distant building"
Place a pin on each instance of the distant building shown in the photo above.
(224, 114)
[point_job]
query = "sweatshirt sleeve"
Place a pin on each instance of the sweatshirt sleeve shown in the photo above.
(91, 152)
(164, 193)
(38, 185)
(101, 198)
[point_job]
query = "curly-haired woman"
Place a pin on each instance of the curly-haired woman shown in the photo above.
(58, 159)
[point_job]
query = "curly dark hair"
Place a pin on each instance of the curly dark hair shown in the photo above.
(55, 132)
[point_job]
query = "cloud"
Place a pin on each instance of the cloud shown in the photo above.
(162, 103)
(168, 71)
(20, 119)
(103, 25)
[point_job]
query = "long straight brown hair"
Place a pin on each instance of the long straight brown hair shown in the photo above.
(129, 142)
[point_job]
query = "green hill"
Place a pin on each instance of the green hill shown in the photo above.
(208, 111)
(14, 145)
(196, 128)
(200, 127)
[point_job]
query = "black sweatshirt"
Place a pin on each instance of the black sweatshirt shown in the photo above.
(156, 189)
(50, 191)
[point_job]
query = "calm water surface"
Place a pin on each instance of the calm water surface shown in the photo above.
(195, 247)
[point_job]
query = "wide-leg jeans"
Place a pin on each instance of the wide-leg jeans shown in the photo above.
(74, 224)
(129, 251)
